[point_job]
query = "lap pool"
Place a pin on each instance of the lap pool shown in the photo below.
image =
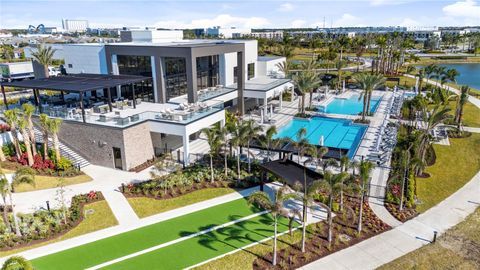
(337, 133)
(351, 105)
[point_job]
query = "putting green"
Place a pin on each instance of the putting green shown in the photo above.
(113, 247)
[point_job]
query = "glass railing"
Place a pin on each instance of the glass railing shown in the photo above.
(213, 92)
(173, 115)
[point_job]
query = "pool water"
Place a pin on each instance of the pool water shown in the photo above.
(337, 133)
(351, 105)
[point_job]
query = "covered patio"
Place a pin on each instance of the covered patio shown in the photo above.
(80, 94)
(291, 172)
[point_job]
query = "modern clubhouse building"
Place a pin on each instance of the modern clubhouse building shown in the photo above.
(172, 88)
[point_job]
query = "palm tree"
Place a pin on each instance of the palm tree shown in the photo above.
(53, 129)
(28, 110)
(366, 168)
(44, 123)
(276, 209)
(23, 175)
(238, 137)
(44, 56)
(213, 142)
(22, 125)
(339, 65)
(11, 117)
(342, 44)
(284, 67)
(271, 131)
(420, 75)
(222, 136)
(251, 130)
(17, 263)
(4, 185)
(368, 82)
(344, 164)
(305, 81)
(430, 70)
(462, 100)
(307, 198)
(332, 184)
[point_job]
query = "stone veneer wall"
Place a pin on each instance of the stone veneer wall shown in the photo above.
(95, 143)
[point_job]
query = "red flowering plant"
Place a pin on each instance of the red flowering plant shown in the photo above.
(4, 128)
(92, 195)
(41, 164)
(395, 189)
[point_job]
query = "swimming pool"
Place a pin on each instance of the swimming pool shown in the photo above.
(337, 133)
(351, 105)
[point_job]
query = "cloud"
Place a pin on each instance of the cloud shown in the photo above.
(298, 23)
(409, 22)
(223, 20)
(285, 7)
(465, 9)
(348, 20)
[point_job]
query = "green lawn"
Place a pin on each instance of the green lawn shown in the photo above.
(456, 249)
(45, 182)
(100, 251)
(471, 113)
(145, 207)
(455, 166)
(101, 218)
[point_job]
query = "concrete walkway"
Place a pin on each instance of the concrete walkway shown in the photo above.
(408, 236)
(130, 225)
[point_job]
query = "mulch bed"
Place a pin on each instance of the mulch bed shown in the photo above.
(65, 227)
(317, 246)
(404, 215)
(13, 166)
(144, 165)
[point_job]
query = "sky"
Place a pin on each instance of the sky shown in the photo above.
(241, 13)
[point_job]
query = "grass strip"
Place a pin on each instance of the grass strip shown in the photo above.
(113, 247)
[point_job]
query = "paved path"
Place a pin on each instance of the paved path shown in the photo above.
(121, 228)
(408, 236)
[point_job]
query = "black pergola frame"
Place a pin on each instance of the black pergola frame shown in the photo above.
(76, 83)
(291, 172)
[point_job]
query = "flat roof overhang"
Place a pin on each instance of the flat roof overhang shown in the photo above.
(77, 83)
(291, 172)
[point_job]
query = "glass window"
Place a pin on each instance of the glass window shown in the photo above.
(207, 71)
(140, 66)
(175, 77)
(251, 70)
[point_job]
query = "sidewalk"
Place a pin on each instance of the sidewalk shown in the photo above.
(407, 237)
(101, 234)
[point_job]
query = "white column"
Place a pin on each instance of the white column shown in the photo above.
(154, 79)
(281, 100)
(186, 150)
(261, 116)
(271, 110)
(265, 107)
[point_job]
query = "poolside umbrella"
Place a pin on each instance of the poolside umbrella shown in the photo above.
(322, 140)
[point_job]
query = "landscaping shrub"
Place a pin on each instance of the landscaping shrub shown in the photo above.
(63, 164)
(411, 191)
(4, 128)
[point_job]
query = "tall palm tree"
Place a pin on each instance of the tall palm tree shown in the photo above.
(332, 185)
(251, 130)
(420, 75)
(284, 67)
(342, 43)
(213, 142)
(4, 186)
(238, 138)
(23, 175)
(17, 263)
(44, 56)
(368, 82)
(44, 125)
(223, 138)
(344, 164)
(276, 208)
(307, 197)
(53, 129)
(430, 70)
(305, 81)
(28, 110)
(22, 126)
(271, 131)
(461, 101)
(11, 117)
(366, 168)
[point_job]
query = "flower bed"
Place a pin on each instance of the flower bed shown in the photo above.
(404, 215)
(45, 225)
(317, 246)
(42, 170)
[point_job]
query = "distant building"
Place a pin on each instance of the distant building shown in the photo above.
(276, 35)
(75, 25)
(150, 35)
(232, 32)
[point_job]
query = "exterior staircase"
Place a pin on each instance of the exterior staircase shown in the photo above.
(65, 151)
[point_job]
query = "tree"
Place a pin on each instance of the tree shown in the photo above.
(44, 56)
(332, 185)
(276, 209)
(23, 175)
(22, 125)
(461, 101)
(11, 117)
(305, 81)
(213, 142)
(284, 67)
(61, 199)
(368, 82)
(238, 137)
(251, 130)
(28, 110)
(366, 168)
(222, 136)
(53, 129)
(17, 263)
(4, 187)
(44, 122)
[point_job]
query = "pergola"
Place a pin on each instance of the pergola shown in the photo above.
(76, 83)
(291, 172)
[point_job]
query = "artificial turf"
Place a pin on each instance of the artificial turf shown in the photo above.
(110, 248)
(203, 247)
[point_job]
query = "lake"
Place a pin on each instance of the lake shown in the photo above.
(469, 74)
